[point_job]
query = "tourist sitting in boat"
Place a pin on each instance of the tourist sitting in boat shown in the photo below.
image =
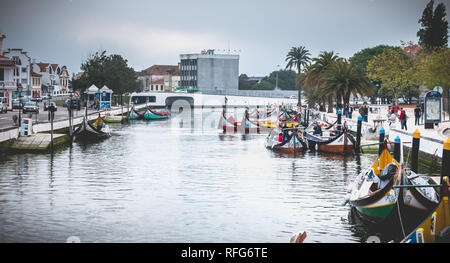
(317, 129)
(280, 137)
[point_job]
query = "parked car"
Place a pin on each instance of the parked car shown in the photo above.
(3, 108)
(16, 104)
(76, 104)
(36, 99)
(31, 106)
(48, 104)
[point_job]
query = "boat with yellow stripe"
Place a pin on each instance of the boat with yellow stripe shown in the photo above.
(436, 226)
(373, 194)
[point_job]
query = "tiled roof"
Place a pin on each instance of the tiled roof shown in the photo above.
(43, 66)
(163, 70)
(6, 62)
(413, 49)
(54, 66)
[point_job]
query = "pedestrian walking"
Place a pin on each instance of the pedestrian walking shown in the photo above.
(403, 117)
(417, 113)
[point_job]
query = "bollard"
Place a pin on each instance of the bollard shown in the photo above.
(445, 171)
(307, 118)
(381, 141)
(358, 134)
(339, 119)
(397, 149)
(415, 151)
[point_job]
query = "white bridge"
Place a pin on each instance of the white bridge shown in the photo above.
(167, 99)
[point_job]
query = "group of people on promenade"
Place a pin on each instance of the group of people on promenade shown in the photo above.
(400, 113)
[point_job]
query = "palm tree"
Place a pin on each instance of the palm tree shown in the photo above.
(317, 71)
(343, 79)
(298, 57)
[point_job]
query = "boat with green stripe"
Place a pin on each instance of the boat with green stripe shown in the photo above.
(373, 194)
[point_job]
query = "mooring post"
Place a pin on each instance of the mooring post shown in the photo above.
(307, 118)
(397, 149)
(445, 170)
(358, 134)
(339, 119)
(415, 151)
(381, 141)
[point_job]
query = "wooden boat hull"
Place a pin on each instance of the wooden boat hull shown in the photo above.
(343, 143)
(375, 205)
(151, 116)
(88, 132)
(288, 147)
(435, 222)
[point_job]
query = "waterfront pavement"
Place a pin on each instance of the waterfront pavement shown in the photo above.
(9, 132)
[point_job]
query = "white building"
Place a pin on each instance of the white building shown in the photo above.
(209, 72)
(22, 72)
(7, 84)
(55, 79)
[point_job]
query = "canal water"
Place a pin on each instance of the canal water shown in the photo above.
(177, 181)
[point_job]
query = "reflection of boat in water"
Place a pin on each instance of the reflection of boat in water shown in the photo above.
(87, 131)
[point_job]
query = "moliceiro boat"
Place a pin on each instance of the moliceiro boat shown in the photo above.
(343, 142)
(87, 131)
(231, 125)
(373, 194)
(436, 225)
(388, 184)
(291, 143)
(149, 114)
(135, 115)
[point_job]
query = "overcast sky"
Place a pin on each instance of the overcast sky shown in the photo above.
(147, 32)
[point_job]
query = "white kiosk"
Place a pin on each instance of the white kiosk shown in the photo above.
(92, 96)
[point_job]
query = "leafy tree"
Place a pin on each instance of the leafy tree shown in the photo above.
(314, 77)
(394, 68)
(286, 81)
(434, 70)
(244, 83)
(434, 26)
(344, 79)
(361, 58)
(298, 57)
(112, 71)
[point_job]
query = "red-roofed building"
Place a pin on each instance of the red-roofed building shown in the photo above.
(53, 76)
(412, 50)
(160, 78)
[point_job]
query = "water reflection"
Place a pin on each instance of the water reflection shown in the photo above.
(165, 182)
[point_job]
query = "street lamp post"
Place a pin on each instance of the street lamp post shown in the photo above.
(70, 106)
(19, 90)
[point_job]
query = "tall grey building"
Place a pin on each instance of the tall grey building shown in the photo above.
(209, 73)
